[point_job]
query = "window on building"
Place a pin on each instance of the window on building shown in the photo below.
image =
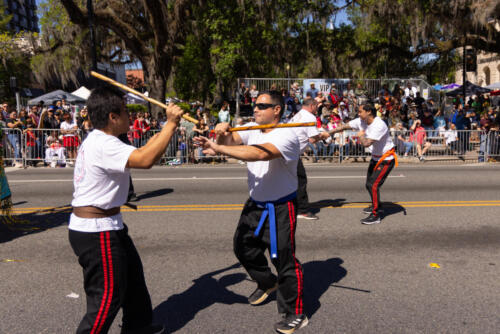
(487, 75)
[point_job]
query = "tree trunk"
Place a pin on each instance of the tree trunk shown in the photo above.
(156, 83)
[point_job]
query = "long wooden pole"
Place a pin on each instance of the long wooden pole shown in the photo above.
(133, 91)
(272, 126)
(191, 119)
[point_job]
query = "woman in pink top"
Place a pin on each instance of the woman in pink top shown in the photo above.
(417, 137)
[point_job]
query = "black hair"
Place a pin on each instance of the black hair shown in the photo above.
(101, 102)
(276, 99)
(368, 106)
(309, 102)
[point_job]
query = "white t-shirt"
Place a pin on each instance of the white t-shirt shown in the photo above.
(306, 132)
(67, 126)
(377, 131)
(451, 136)
(413, 91)
(101, 180)
(277, 178)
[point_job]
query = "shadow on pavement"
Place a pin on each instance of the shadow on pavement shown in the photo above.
(25, 224)
(317, 206)
(318, 277)
(179, 309)
(391, 208)
(155, 193)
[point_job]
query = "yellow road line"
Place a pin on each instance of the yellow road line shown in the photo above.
(231, 207)
(241, 205)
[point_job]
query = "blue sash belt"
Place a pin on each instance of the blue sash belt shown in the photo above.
(269, 210)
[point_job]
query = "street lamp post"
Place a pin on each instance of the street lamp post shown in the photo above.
(287, 66)
(90, 11)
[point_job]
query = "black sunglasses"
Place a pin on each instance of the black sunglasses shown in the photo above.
(263, 106)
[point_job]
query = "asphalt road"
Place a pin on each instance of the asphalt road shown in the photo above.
(358, 279)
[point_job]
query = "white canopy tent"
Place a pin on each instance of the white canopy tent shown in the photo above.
(494, 86)
(82, 92)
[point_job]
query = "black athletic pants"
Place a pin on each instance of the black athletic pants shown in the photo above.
(302, 198)
(250, 252)
(113, 278)
(375, 179)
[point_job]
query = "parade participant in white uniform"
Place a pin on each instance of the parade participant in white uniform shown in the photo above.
(306, 135)
(373, 132)
(269, 217)
(112, 269)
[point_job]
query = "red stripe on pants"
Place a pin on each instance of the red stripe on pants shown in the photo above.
(298, 271)
(105, 272)
(111, 283)
(374, 189)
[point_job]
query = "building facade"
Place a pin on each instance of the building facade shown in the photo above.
(488, 67)
(23, 13)
(487, 72)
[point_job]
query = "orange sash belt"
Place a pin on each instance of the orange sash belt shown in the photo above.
(387, 154)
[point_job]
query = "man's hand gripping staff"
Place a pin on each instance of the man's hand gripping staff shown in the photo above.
(229, 143)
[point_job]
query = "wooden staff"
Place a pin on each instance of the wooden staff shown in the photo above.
(272, 126)
(191, 119)
(133, 91)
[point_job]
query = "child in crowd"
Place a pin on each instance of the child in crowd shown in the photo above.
(55, 154)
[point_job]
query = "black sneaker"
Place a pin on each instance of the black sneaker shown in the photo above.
(259, 296)
(308, 216)
(371, 219)
(369, 210)
(291, 323)
(151, 329)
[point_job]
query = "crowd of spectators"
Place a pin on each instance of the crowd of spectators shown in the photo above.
(52, 133)
(416, 124)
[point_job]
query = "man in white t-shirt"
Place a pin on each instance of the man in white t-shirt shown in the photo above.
(268, 219)
(112, 268)
(307, 135)
(373, 133)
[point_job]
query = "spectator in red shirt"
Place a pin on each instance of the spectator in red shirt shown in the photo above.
(30, 142)
(140, 129)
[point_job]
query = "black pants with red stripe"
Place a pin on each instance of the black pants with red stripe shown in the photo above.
(113, 278)
(302, 197)
(375, 179)
(250, 252)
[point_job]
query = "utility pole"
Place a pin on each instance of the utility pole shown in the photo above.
(90, 10)
(13, 85)
(464, 74)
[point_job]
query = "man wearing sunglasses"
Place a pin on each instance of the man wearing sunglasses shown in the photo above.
(268, 219)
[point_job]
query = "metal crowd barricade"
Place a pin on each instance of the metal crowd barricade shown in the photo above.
(440, 145)
(50, 147)
(432, 145)
(13, 148)
(492, 146)
(179, 151)
(343, 146)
